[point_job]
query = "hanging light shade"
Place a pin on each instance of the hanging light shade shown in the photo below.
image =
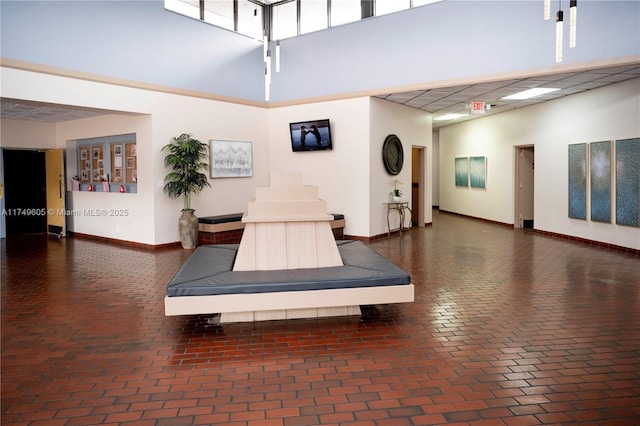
(267, 76)
(547, 9)
(268, 66)
(559, 19)
(573, 22)
(265, 45)
(267, 88)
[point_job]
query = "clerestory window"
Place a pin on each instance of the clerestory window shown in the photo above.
(287, 18)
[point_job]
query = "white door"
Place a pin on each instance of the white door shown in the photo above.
(524, 187)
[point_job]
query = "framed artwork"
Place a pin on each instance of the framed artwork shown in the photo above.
(96, 153)
(628, 182)
(600, 179)
(578, 181)
(134, 150)
(462, 171)
(117, 174)
(117, 150)
(478, 172)
(231, 159)
(134, 175)
(83, 154)
(130, 163)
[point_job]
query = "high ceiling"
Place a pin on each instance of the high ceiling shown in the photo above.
(438, 101)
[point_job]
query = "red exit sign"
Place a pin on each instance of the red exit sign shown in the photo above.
(477, 107)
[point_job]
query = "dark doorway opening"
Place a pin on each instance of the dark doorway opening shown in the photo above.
(25, 183)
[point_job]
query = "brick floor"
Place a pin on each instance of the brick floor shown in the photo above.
(509, 327)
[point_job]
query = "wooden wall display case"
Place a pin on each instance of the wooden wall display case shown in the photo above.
(131, 163)
(97, 164)
(110, 160)
(85, 164)
(117, 163)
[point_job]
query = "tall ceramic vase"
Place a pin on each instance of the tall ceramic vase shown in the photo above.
(188, 227)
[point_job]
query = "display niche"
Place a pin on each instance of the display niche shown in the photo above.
(107, 164)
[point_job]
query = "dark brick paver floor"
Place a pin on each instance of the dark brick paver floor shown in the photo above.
(508, 328)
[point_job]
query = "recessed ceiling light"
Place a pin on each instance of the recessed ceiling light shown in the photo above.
(531, 93)
(449, 117)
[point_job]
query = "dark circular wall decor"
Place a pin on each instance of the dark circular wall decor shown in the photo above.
(392, 154)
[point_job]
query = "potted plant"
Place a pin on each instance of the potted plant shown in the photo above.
(396, 194)
(186, 157)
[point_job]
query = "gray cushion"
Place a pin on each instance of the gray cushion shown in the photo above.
(237, 217)
(209, 272)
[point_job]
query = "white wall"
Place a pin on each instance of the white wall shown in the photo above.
(436, 168)
(351, 178)
(481, 137)
(21, 134)
(208, 120)
(130, 216)
(607, 113)
(342, 174)
(413, 128)
(155, 118)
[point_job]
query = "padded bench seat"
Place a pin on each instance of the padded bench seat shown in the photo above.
(228, 228)
(223, 218)
(206, 283)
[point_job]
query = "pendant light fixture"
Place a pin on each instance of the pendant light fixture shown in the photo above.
(547, 10)
(559, 23)
(265, 45)
(573, 22)
(267, 76)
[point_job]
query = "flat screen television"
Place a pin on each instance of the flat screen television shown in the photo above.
(312, 135)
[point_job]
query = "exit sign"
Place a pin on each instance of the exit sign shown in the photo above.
(477, 107)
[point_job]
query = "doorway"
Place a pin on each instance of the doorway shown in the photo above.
(25, 194)
(524, 188)
(417, 186)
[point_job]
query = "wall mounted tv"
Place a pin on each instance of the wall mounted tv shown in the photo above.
(312, 135)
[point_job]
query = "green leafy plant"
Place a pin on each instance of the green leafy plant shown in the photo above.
(187, 158)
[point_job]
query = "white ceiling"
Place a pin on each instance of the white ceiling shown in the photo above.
(438, 101)
(16, 109)
(457, 99)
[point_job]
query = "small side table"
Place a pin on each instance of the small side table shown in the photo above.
(400, 208)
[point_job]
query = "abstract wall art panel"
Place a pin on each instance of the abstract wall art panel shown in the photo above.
(231, 159)
(462, 171)
(578, 181)
(478, 172)
(628, 182)
(600, 176)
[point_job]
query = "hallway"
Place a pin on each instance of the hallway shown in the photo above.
(508, 327)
